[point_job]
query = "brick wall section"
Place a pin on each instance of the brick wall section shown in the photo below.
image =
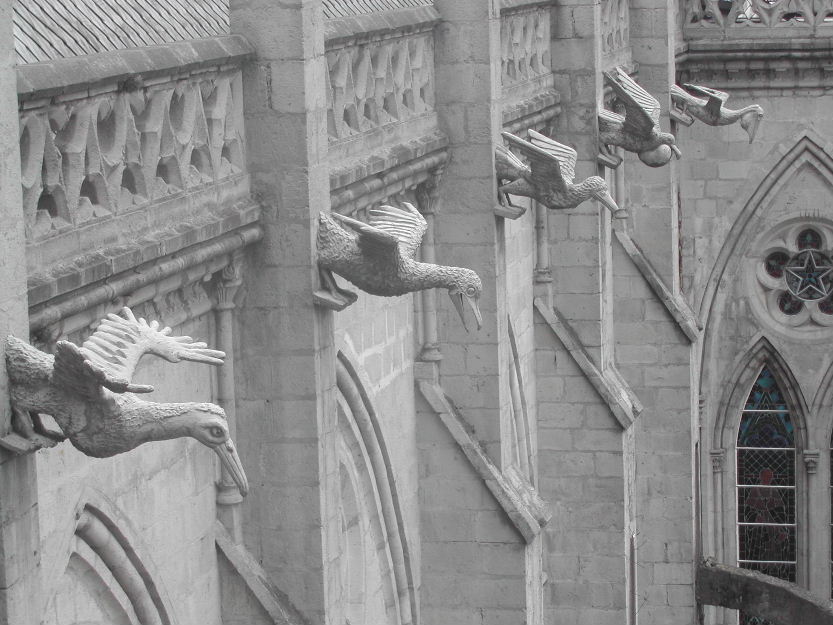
(580, 442)
(286, 412)
(19, 549)
(655, 358)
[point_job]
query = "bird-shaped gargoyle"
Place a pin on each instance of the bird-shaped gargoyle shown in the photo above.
(639, 130)
(712, 111)
(90, 393)
(378, 257)
(549, 176)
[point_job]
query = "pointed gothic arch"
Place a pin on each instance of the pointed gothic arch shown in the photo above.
(104, 556)
(368, 472)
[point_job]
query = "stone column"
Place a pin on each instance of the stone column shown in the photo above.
(286, 400)
(229, 499)
(474, 562)
(653, 191)
(21, 599)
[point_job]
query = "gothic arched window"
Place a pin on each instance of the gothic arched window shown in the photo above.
(766, 494)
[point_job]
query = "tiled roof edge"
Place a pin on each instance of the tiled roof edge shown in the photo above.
(376, 23)
(67, 75)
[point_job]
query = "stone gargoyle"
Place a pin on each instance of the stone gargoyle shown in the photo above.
(639, 130)
(90, 394)
(549, 176)
(711, 110)
(378, 258)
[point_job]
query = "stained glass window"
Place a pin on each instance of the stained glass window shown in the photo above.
(766, 484)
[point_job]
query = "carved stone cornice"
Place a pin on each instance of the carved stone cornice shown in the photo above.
(811, 460)
(227, 282)
(718, 457)
(757, 64)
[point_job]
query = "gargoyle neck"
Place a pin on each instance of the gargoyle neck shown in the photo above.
(158, 421)
(429, 276)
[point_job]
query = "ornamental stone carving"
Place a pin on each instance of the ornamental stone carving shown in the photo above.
(794, 276)
(638, 131)
(710, 108)
(90, 394)
(378, 257)
(86, 160)
(380, 82)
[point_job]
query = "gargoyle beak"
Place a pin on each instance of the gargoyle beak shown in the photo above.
(676, 151)
(231, 461)
(457, 300)
(607, 200)
(753, 127)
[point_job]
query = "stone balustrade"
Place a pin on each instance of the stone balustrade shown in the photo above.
(758, 19)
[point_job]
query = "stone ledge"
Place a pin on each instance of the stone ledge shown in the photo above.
(765, 597)
(519, 5)
(107, 262)
(679, 310)
(531, 112)
(380, 172)
(339, 29)
(119, 67)
(737, 63)
(518, 498)
(609, 384)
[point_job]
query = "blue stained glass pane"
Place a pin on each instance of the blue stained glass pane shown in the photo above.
(765, 394)
(766, 429)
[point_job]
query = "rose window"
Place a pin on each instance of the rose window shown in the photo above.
(797, 276)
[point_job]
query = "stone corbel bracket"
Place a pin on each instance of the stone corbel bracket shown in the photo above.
(609, 384)
(677, 307)
(519, 499)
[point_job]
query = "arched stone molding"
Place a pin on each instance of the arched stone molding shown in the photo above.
(724, 440)
(104, 551)
(367, 470)
(523, 446)
(808, 148)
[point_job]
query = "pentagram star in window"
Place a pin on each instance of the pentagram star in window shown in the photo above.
(808, 275)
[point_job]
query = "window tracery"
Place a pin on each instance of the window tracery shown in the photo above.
(766, 484)
(795, 276)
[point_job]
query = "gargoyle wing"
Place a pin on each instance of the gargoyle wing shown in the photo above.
(716, 98)
(109, 357)
(681, 97)
(372, 240)
(546, 167)
(507, 165)
(566, 155)
(406, 224)
(78, 371)
(641, 108)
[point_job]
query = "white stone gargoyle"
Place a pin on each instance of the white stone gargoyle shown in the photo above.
(89, 392)
(638, 131)
(378, 257)
(712, 109)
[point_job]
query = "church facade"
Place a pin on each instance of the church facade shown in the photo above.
(644, 393)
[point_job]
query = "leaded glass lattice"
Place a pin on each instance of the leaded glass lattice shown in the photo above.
(766, 508)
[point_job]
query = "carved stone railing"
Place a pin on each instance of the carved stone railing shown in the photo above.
(526, 71)
(128, 158)
(758, 19)
(380, 85)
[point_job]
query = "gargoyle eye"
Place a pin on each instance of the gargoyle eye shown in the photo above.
(471, 291)
(217, 432)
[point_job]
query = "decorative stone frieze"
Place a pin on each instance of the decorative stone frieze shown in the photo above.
(88, 160)
(376, 83)
(615, 22)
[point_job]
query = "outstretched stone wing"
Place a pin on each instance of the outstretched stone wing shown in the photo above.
(716, 98)
(566, 155)
(406, 224)
(547, 170)
(109, 357)
(641, 108)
